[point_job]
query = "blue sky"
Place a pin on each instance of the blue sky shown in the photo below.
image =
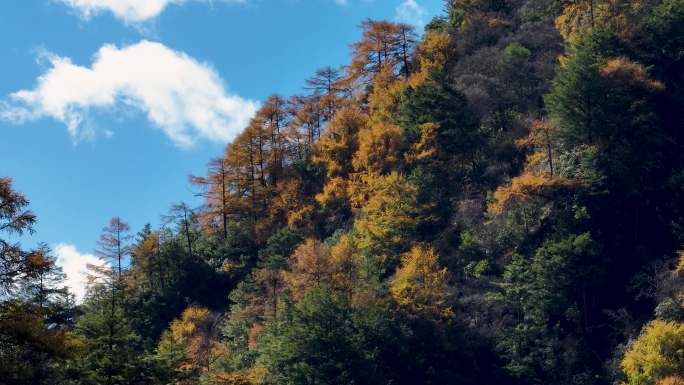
(106, 106)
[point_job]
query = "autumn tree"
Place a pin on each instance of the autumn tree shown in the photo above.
(186, 346)
(217, 192)
(336, 148)
(656, 357)
(36, 310)
(334, 153)
(147, 262)
(242, 155)
(273, 116)
(421, 285)
(383, 44)
(310, 267)
(389, 219)
(544, 138)
(621, 16)
(345, 269)
(578, 17)
(113, 245)
(36, 345)
(325, 84)
(306, 121)
(380, 148)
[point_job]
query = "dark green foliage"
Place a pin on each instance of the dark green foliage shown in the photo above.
(666, 31)
(323, 340)
(278, 249)
(317, 344)
(548, 296)
(112, 350)
(436, 101)
(458, 142)
(577, 96)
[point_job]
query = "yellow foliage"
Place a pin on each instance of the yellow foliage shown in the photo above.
(141, 252)
(380, 147)
(426, 147)
(536, 160)
(576, 18)
(302, 219)
(421, 284)
(191, 318)
(344, 272)
(620, 16)
(193, 335)
(287, 197)
(358, 188)
(657, 354)
(389, 216)
(432, 55)
(335, 149)
(334, 194)
(385, 96)
(680, 262)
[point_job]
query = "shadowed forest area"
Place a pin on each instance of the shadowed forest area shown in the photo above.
(498, 199)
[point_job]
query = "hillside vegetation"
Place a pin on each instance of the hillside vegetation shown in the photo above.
(498, 199)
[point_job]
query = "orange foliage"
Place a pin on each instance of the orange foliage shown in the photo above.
(344, 271)
(252, 376)
(527, 186)
(337, 146)
(672, 380)
(623, 71)
(383, 44)
(310, 266)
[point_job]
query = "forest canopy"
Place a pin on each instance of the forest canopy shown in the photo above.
(496, 199)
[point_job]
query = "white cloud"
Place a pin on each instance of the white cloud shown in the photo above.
(75, 265)
(186, 99)
(411, 12)
(341, 2)
(130, 11)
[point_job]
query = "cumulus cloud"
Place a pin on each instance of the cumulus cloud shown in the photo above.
(411, 12)
(74, 264)
(130, 11)
(186, 99)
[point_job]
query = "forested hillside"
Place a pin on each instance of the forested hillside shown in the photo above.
(498, 199)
